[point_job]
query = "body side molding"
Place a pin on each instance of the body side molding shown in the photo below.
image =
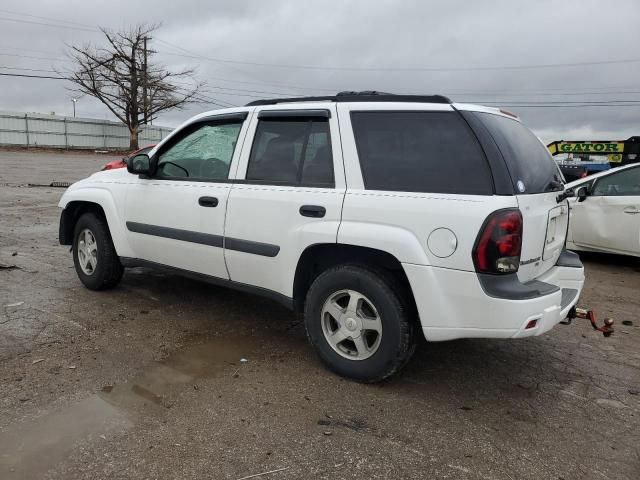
(237, 244)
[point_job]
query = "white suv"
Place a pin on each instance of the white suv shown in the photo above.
(374, 214)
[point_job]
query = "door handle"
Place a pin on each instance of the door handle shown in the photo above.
(314, 211)
(631, 210)
(208, 201)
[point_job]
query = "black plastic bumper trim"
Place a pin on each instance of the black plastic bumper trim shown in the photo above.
(509, 287)
(568, 296)
(570, 259)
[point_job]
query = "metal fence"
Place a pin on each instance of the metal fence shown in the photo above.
(54, 131)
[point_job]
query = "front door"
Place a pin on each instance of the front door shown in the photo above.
(176, 218)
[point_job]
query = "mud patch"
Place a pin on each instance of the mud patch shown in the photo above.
(22, 328)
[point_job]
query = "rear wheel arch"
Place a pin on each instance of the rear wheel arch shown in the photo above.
(318, 258)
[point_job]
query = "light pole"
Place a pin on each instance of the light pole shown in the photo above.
(74, 100)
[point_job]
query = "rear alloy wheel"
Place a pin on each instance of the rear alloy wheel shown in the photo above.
(360, 322)
(351, 325)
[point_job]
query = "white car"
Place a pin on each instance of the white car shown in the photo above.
(605, 214)
(375, 215)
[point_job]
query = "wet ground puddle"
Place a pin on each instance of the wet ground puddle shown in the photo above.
(29, 449)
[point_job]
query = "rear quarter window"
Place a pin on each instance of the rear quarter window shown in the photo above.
(413, 151)
(531, 166)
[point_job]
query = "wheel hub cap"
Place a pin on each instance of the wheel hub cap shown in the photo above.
(87, 251)
(351, 325)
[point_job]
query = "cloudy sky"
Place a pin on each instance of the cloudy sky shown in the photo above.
(570, 69)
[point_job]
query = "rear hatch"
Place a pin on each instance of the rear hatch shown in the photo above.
(537, 182)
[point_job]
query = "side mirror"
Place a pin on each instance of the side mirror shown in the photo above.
(139, 165)
(582, 193)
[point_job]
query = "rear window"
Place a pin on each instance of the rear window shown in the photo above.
(530, 164)
(431, 152)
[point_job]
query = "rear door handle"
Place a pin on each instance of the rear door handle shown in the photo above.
(208, 201)
(314, 211)
(631, 210)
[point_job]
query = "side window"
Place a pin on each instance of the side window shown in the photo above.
(625, 183)
(204, 152)
(292, 151)
(413, 151)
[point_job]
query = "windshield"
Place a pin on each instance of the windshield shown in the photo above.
(530, 164)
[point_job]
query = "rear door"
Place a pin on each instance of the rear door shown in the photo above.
(609, 218)
(287, 195)
(537, 182)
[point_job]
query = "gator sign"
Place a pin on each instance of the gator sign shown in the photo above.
(602, 148)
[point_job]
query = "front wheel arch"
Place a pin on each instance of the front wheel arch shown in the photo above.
(70, 215)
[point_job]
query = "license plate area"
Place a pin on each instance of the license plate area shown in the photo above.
(556, 231)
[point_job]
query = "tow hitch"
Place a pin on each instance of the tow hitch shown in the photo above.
(578, 312)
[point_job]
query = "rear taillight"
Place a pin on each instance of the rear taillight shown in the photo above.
(497, 248)
(106, 166)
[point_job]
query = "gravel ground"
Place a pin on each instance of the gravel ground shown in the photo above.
(146, 380)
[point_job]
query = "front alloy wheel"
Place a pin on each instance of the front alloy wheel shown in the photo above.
(94, 256)
(87, 252)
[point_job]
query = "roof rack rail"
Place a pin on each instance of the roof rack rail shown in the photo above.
(348, 96)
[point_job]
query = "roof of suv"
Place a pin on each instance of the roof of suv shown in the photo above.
(351, 97)
(365, 96)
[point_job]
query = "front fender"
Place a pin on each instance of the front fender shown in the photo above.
(105, 197)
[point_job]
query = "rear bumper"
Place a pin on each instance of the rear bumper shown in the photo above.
(455, 304)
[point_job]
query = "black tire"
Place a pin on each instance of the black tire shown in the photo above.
(395, 311)
(108, 270)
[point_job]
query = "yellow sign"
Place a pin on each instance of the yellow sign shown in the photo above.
(614, 158)
(587, 147)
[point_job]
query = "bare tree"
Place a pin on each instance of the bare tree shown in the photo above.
(122, 76)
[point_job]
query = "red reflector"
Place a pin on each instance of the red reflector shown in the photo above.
(531, 324)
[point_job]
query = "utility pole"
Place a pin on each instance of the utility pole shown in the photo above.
(145, 105)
